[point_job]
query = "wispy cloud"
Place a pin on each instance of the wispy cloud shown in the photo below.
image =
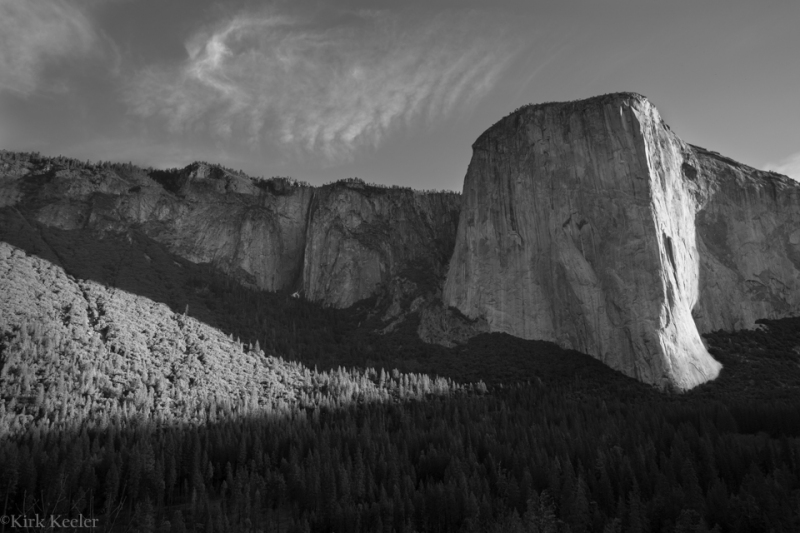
(329, 89)
(789, 166)
(34, 33)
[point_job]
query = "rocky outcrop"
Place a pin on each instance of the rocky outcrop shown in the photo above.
(592, 225)
(336, 244)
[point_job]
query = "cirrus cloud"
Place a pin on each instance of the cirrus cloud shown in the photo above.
(35, 33)
(328, 89)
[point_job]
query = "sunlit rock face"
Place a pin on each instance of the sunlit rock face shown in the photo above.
(203, 214)
(592, 225)
(336, 244)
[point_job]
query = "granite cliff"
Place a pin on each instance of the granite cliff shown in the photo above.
(591, 224)
(335, 244)
(360, 237)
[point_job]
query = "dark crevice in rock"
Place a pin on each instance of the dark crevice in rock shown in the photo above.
(670, 254)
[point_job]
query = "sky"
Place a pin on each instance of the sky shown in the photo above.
(390, 92)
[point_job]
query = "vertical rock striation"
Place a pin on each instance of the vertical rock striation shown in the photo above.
(592, 225)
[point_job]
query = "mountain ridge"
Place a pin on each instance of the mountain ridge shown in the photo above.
(256, 230)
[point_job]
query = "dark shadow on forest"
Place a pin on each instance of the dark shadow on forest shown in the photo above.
(559, 429)
(526, 453)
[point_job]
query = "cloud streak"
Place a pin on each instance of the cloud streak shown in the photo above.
(34, 33)
(321, 88)
(789, 166)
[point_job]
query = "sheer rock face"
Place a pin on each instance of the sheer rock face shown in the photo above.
(360, 238)
(336, 244)
(592, 225)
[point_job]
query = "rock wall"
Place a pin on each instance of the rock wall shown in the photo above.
(749, 242)
(336, 244)
(361, 237)
(592, 225)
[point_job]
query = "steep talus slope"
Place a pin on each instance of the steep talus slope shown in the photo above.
(336, 244)
(592, 225)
